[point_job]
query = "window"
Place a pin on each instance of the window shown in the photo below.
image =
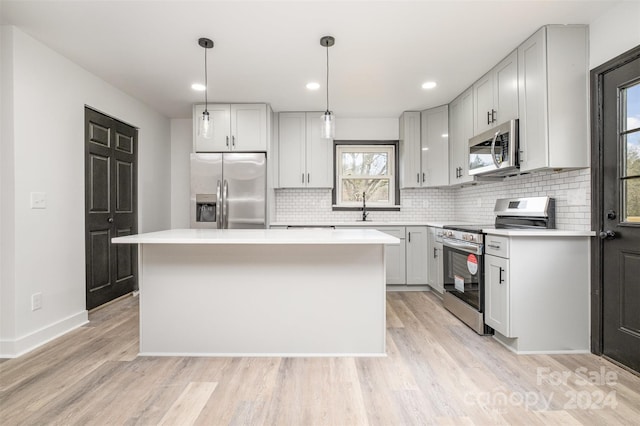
(368, 169)
(630, 138)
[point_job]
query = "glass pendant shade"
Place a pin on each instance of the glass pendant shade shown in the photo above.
(328, 127)
(205, 129)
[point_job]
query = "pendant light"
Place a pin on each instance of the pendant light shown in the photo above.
(328, 128)
(205, 126)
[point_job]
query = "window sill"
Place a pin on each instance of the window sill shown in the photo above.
(370, 209)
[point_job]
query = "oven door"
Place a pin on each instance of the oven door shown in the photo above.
(464, 271)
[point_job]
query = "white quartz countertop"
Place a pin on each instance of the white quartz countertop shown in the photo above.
(260, 236)
(538, 233)
(368, 224)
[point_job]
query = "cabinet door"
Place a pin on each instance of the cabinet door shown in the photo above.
(439, 284)
(219, 115)
(410, 171)
(416, 240)
(319, 161)
(532, 67)
(291, 149)
(249, 127)
(395, 257)
(496, 299)
(460, 131)
(483, 103)
(432, 270)
(435, 267)
(435, 146)
(506, 89)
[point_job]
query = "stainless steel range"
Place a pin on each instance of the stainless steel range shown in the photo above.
(463, 260)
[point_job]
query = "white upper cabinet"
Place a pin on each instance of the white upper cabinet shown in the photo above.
(553, 81)
(236, 127)
(305, 159)
(424, 148)
(435, 146)
(410, 169)
(495, 95)
(460, 131)
(291, 149)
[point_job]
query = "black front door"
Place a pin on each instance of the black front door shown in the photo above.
(620, 214)
(110, 207)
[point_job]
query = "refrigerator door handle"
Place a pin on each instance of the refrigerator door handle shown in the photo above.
(225, 205)
(218, 205)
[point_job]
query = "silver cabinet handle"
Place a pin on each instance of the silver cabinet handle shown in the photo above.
(494, 246)
(308, 177)
(423, 177)
(418, 177)
(233, 141)
(227, 141)
(409, 236)
(500, 279)
(110, 220)
(493, 115)
(303, 178)
(488, 117)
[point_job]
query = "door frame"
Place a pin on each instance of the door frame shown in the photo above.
(597, 179)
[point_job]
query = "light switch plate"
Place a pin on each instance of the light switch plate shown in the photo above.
(38, 200)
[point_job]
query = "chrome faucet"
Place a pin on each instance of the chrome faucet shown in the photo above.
(364, 207)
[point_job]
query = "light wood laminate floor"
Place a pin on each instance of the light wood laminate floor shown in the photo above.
(437, 371)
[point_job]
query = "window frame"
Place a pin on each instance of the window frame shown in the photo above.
(394, 187)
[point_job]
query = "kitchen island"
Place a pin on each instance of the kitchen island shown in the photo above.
(262, 292)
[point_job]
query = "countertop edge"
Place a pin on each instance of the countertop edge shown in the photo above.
(538, 233)
(259, 237)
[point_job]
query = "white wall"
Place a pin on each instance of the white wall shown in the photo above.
(47, 115)
(614, 33)
(181, 147)
(385, 128)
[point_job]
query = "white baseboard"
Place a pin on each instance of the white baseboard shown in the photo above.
(27, 343)
(266, 355)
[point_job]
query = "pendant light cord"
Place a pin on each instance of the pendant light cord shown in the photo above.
(327, 46)
(206, 84)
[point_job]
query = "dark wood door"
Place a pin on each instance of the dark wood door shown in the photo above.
(620, 231)
(110, 207)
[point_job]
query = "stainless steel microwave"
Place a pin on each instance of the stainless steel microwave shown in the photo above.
(495, 151)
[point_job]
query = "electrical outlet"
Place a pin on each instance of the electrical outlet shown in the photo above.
(36, 301)
(38, 200)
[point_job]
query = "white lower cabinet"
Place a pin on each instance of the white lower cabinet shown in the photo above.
(416, 240)
(537, 292)
(435, 271)
(395, 256)
(496, 275)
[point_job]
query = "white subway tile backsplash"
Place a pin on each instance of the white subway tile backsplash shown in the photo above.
(572, 191)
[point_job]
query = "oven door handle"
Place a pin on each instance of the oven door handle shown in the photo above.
(469, 248)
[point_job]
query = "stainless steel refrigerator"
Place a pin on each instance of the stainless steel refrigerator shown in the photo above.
(228, 190)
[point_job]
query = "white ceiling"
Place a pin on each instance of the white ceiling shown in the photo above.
(266, 51)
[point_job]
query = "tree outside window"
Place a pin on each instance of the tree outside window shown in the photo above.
(367, 169)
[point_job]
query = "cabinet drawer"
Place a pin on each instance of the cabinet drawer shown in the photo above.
(397, 232)
(496, 245)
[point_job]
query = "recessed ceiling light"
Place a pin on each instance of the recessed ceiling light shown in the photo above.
(313, 85)
(425, 149)
(429, 85)
(199, 87)
(445, 135)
